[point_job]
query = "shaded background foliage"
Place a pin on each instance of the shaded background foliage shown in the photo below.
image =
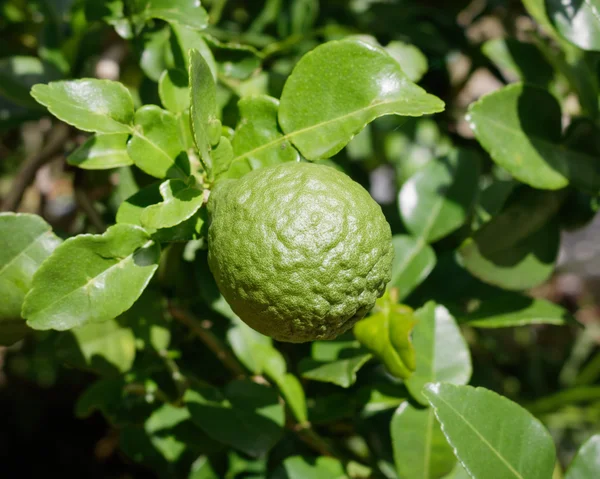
(539, 349)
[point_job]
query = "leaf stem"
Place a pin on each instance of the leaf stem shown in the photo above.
(208, 338)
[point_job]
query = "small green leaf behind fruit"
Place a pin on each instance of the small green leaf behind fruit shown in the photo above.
(414, 259)
(492, 436)
(335, 362)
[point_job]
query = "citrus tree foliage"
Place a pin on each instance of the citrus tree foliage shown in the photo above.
(198, 95)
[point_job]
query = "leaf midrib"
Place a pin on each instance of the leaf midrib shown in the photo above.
(483, 439)
(24, 251)
(92, 280)
(295, 133)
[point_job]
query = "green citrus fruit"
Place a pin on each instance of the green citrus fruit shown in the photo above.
(300, 251)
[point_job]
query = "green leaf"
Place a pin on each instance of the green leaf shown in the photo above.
(180, 203)
(155, 146)
(102, 152)
(442, 353)
(411, 59)
(520, 127)
(519, 61)
(222, 156)
(234, 60)
(27, 240)
(413, 261)
(386, 333)
(91, 278)
(339, 87)
(106, 347)
(185, 39)
(258, 141)
(298, 467)
(506, 309)
(257, 353)
(518, 248)
(155, 54)
(586, 463)
(146, 318)
(19, 73)
(335, 362)
(439, 197)
(577, 20)
(481, 305)
(187, 13)
(174, 90)
(205, 125)
(235, 417)
(492, 437)
(131, 210)
(101, 106)
(420, 448)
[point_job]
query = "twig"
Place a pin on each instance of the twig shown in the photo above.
(209, 339)
(311, 438)
(86, 205)
(26, 174)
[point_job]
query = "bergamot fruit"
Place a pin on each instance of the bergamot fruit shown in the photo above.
(300, 251)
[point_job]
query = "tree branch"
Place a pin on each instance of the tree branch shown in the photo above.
(26, 174)
(209, 339)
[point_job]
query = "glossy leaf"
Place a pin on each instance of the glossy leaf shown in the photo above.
(155, 146)
(188, 13)
(258, 141)
(180, 202)
(102, 106)
(174, 90)
(106, 347)
(183, 40)
(298, 467)
(439, 197)
(577, 20)
(442, 353)
(586, 463)
(334, 362)
(387, 334)
(258, 354)
(482, 305)
(421, 450)
(131, 210)
(27, 240)
(518, 248)
(101, 152)
(234, 60)
(411, 59)
(368, 84)
(506, 309)
(222, 156)
(413, 261)
(492, 437)
(91, 278)
(205, 125)
(234, 416)
(19, 73)
(520, 127)
(519, 61)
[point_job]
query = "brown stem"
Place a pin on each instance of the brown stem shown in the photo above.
(26, 174)
(209, 339)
